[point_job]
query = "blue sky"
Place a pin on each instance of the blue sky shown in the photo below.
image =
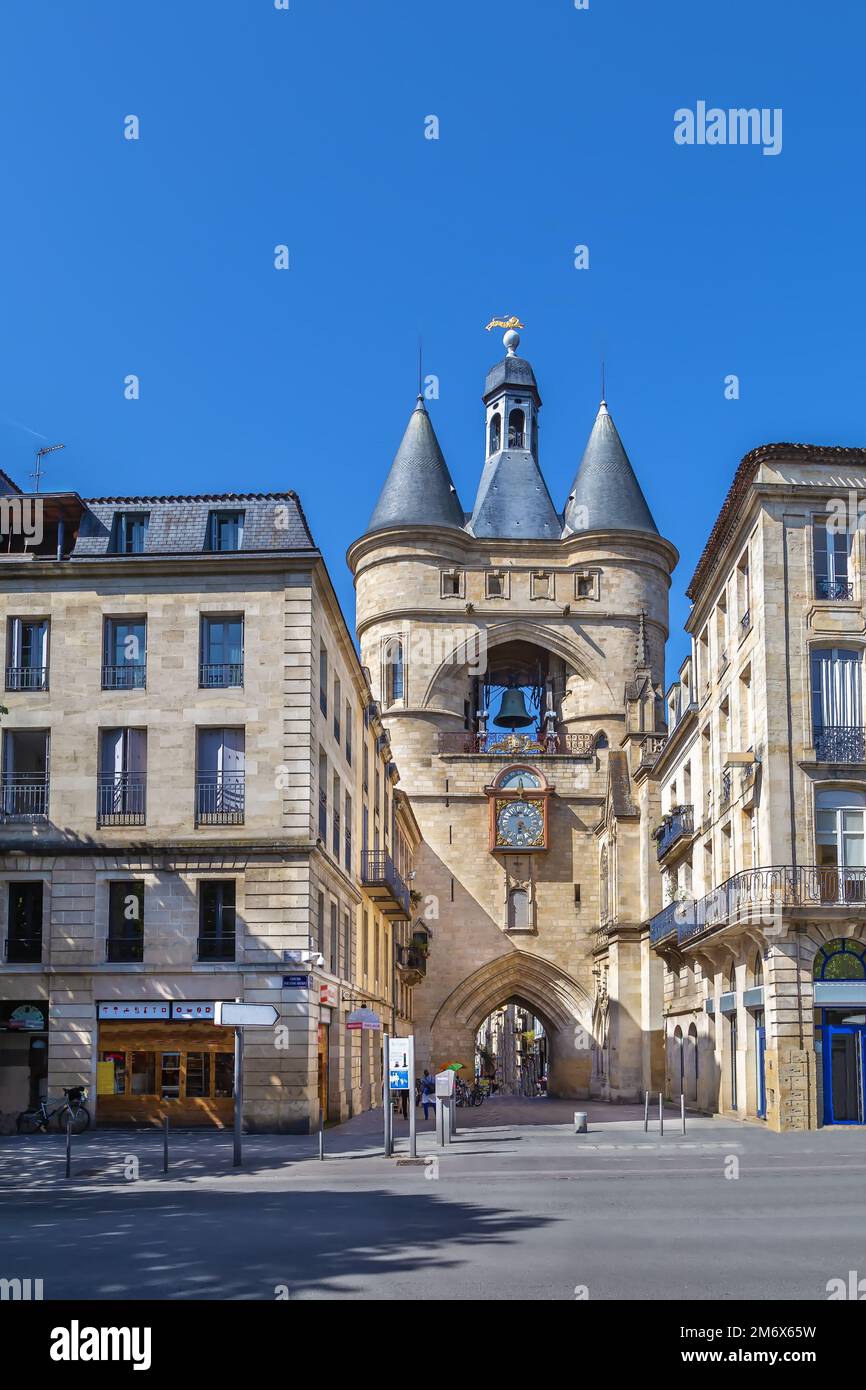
(306, 127)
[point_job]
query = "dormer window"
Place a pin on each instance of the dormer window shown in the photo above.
(225, 531)
(129, 533)
(516, 429)
(495, 434)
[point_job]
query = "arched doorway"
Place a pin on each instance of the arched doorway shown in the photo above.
(843, 1029)
(542, 992)
(690, 1067)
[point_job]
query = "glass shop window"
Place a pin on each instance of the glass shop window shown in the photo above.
(143, 1074)
(198, 1073)
(170, 1081)
(224, 1075)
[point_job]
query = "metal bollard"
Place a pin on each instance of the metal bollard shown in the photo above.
(646, 1112)
(165, 1145)
(683, 1110)
(580, 1122)
(661, 1114)
(68, 1145)
(321, 1133)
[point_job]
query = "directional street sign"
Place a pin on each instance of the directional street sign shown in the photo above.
(232, 1015)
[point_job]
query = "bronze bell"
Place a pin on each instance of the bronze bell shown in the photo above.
(512, 711)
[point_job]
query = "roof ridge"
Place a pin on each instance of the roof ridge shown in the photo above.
(200, 497)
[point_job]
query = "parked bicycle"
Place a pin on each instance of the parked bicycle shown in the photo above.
(71, 1109)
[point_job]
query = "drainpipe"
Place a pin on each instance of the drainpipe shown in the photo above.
(792, 800)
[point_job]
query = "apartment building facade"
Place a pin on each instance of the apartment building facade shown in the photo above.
(197, 803)
(762, 781)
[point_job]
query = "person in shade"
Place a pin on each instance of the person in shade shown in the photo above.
(428, 1092)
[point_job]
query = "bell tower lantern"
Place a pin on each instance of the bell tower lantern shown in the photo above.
(512, 401)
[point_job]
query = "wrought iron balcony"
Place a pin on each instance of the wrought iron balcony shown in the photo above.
(384, 885)
(757, 897)
(843, 744)
(675, 826)
(412, 963)
(124, 950)
(505, 745)
(834, 589)
(218, 675)
(24, 950)
(25, 796)
(745, 622)
(131, 676)
(219, 798)
(727, 785)
(121, 798)
(26, 677)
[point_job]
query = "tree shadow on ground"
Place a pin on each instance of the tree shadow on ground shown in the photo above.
(217, 1245)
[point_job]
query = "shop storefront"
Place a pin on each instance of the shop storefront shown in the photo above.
(164, 1059)
(23, 1054)
(840, 1031)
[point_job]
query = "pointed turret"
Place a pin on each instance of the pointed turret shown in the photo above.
(606, 494)
(513, 501)
(418, 491)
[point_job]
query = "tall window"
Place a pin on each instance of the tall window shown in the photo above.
(225, 531)
(217, 920)
(323, 678)
(335, 815)
(365, 943)
(222, 651)
(323, 797)
(27, 654)
(840, 822)
(837, 705)
(24, 929)
(25, 774)
(348, 733)
(124, 654)
(220, 777)
(125, 941)
(393, 659)
(831, 544)
(495, 433)
(334, 963)
(338, 700)
(347, 834)
(129, 533)
(122, 782)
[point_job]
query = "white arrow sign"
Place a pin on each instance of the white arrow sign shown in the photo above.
(232, 1015)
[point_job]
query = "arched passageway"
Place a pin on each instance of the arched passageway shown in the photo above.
(545, 993)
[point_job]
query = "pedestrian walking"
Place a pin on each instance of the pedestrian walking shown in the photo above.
(428, 1092)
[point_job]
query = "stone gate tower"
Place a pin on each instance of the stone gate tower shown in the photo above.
(531, 877)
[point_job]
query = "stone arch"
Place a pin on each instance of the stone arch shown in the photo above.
(497, 635)
(560, 1002)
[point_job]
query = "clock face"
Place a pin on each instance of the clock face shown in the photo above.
(520, 825)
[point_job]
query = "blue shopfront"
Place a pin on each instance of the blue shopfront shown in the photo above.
(840, 1030)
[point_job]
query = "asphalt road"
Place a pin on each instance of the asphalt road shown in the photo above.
(514, 1210)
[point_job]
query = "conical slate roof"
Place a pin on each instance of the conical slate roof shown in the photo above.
(606, 494)
(418, 490)
(513, 502)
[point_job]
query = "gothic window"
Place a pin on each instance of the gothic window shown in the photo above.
(516, 429)
(759, 970)
(392, 658)
(495, 433)
(518, 909)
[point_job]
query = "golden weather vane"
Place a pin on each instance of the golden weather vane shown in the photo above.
(513, 322)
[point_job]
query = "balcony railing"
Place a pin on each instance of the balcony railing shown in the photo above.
(216, 946)
(834, 589)
(24, 950)
(25, 795)
(745, 622)
(26, 677)
(384, 884)
(757, 896)
(131, 676)
(843, 744)
(219, 798)
(217, 675)
(412, 962)
(504, 745)
(124, 950)
(727, 785)
(674, 827)
(121, 798)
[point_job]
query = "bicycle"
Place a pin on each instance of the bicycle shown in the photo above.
(71, 1108)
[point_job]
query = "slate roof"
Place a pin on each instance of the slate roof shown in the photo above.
(511, 371)
(513, 501)
(418, 490)
(606, 485)
(273, 521)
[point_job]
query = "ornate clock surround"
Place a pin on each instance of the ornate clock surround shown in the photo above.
(517, 785)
